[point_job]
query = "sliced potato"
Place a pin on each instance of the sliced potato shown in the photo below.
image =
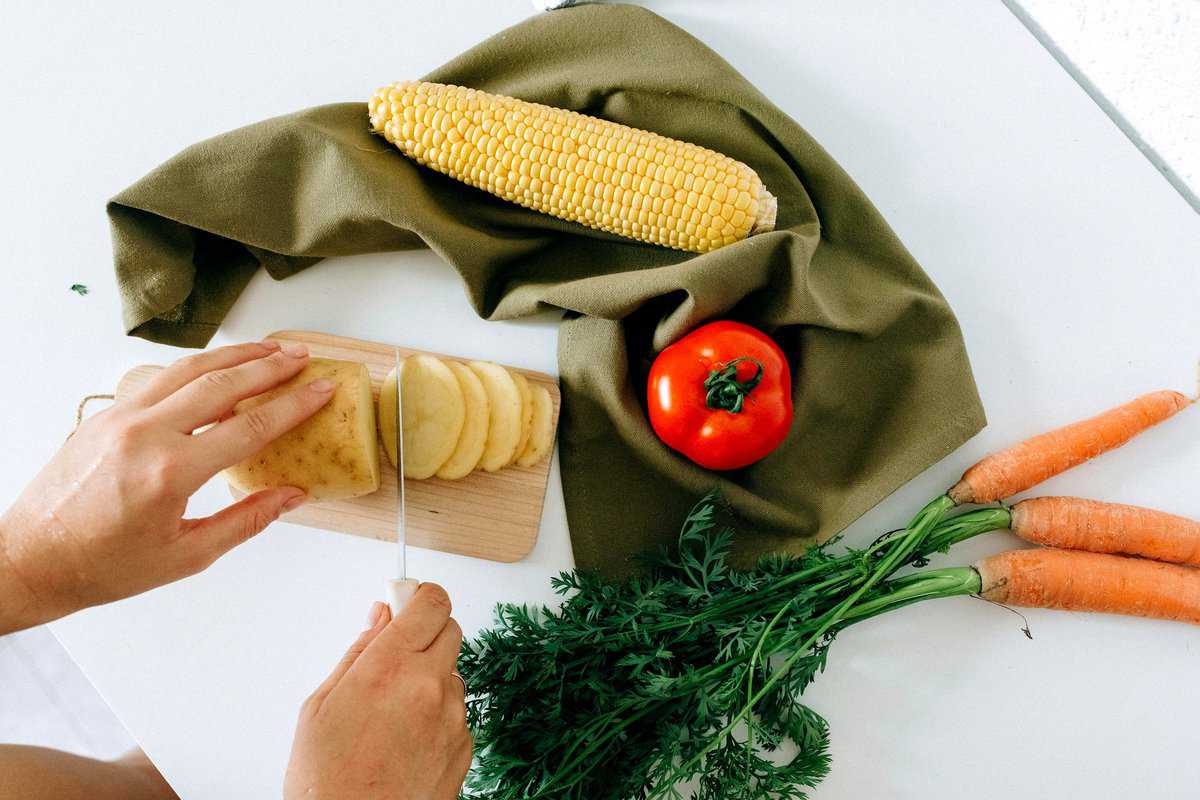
(541, 435)
(331, 455)
(526, 413)
(434, 413)
(473, 438)
(386, 415)
(504, 414)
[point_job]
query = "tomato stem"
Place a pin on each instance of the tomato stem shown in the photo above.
(725, 391)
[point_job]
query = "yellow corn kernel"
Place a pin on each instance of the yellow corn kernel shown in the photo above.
(598, 173)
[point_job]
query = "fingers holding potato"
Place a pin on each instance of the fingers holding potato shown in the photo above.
(332, 455)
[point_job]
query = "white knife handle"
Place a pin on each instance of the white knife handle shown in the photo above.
(399, 592)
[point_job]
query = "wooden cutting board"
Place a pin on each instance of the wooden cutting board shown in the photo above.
(491, 515)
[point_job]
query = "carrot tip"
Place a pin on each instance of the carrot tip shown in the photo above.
(962, 493)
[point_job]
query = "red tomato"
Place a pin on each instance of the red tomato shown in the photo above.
(722, 395)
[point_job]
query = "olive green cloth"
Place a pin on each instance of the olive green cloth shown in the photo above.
(882, 388)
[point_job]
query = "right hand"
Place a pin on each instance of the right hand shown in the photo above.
(391, 720)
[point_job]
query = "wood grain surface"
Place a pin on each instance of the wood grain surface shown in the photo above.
(490, 515)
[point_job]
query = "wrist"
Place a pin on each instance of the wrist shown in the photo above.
(20, 605)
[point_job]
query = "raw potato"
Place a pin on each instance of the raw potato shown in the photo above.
(541, 435)
(332, 455)
(526, 414)
(434, 413)
(473, 438)
(504, 425)
(387, 415)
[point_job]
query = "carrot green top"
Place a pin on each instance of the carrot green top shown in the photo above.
(883, 387)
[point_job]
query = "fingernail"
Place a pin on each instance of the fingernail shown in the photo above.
(294, 503)
(294, 350)
(269, 344)
(322, 385)
(375, 614)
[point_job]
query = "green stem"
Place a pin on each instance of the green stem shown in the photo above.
(917, 531)
(593, 745)
(950, 582)
(725, 391)
(958, 529)
(947, 533)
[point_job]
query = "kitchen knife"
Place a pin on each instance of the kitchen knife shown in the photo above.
(401, 588)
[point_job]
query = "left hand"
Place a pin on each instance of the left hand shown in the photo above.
(104, 519)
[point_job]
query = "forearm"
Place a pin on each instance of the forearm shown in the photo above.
(31, 772)
(20, 605)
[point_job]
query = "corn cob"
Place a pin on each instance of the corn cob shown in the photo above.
(599, 173)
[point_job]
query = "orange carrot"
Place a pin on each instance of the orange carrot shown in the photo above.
(1078, 524)
(1027, 464)
(1075, 581)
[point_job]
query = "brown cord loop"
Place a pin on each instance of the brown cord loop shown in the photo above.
(83, 404)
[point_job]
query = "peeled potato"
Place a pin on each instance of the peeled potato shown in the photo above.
(434, 413)
(526, 414)
(504, 414)
(541, 434)
(387, 416)
(473, 438)
(331, 455)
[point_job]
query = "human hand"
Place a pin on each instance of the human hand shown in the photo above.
(104, 519)
(391, 720)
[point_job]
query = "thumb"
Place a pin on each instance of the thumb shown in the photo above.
(377, 620)
(246, 518)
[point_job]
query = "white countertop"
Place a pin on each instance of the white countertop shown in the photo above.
(1070, 262)
(1141, 63)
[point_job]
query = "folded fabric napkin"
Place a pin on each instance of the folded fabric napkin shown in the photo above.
(882, 388)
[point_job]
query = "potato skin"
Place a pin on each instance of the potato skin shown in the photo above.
(333, 454)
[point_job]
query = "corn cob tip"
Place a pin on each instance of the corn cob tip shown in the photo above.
(764, 219)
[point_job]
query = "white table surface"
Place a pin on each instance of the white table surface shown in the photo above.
(1071, 263)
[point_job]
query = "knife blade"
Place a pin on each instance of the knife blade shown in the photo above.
(401, 588)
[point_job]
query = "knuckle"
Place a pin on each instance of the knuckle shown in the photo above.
(191, 362)
(258, 423)
(161, 471)
(434, 595)
(310, 705)
(281, 364)
(428, 692)
(220, 380)
(255, 522)
(129, 431)
(379, 679)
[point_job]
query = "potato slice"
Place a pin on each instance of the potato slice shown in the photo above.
(434, 413)
(386, 415)
(526, 413)
(504, 414)
(473, 438)
(541, 435)
(332, 455)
